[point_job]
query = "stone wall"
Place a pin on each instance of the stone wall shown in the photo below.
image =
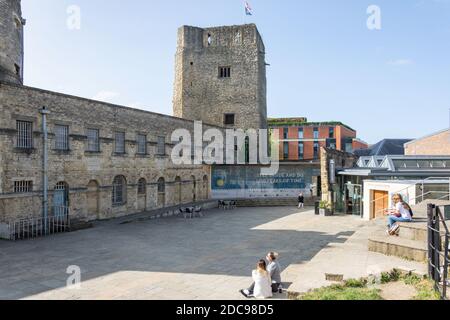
(199, 92)
(79, 168)
(11, 41)
(437, 144)
(341, 159)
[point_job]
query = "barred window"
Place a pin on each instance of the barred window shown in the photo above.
(23, 186)
(142, 186)
(119, 190)
(61, 137)
(141, 144)
(224, 72)
(161, 150)
(93, 140)
(24, 134)
(120, 142)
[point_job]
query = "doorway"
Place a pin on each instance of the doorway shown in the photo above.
(380, 202)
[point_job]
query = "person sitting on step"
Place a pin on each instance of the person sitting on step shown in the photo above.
(401, 212)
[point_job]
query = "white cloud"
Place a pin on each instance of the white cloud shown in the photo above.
(401, 62)
(106, 96)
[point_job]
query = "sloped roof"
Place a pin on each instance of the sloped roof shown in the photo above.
(385, 147)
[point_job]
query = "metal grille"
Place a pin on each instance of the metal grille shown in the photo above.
(38, 227)
(120, 142)
(23, 186)
(93, 140)
(142, 144)
(24, 134)
(61, 137)
(438, 250)
(161, 145)
(118, 192)
(224, 72)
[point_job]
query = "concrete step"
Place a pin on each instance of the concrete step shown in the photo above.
(416, 230)
(413, 250)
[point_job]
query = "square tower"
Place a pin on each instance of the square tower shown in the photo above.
(220, 76)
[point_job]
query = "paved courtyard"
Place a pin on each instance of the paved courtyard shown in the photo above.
(170, 258)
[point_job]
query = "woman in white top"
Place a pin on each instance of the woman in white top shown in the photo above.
(263, 283)
(401, 212)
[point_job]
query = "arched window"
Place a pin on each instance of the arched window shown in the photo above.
(61, 199)
(161, 192)
(161, 185)
(194, 189)
(178, 190)
(142, 186)
(119, 192)
(205, 187)
(61, 196)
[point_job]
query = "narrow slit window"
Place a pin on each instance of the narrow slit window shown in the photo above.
(224, 72)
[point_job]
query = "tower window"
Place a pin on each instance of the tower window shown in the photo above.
(17, 69)
(224, 72)
(209, 39)
(230, 119)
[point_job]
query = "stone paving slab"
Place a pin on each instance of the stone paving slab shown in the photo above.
(350, 259)
(172, 258)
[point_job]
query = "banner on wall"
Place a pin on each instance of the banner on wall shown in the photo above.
(243, 182)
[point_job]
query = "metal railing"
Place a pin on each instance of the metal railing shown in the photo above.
(438, 250)
(24, 229)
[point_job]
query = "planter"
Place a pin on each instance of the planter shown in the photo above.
(326, 212)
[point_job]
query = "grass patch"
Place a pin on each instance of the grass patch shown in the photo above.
(425, 287)
(359, 289)
(350, 290)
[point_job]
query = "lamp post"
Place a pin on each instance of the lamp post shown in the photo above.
(44, 113)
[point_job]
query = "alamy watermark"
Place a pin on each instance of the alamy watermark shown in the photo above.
(74, 279)
(374, 19)
(229, 146)
(73, 21)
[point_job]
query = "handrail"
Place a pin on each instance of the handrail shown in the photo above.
(438, 267)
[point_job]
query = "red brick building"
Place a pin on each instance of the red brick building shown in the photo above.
(302, 140)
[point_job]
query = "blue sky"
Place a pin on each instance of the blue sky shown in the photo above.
(325, 63)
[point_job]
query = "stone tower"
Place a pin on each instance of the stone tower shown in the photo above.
(11, 41)
(220, 76)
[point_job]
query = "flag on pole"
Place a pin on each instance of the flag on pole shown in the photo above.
(248, 9)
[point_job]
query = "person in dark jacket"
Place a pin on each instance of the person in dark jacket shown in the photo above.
(301, 201)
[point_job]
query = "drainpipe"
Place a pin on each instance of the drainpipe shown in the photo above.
(44, 113)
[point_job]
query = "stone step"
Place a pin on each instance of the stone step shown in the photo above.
(413, 250)
(417, 230)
